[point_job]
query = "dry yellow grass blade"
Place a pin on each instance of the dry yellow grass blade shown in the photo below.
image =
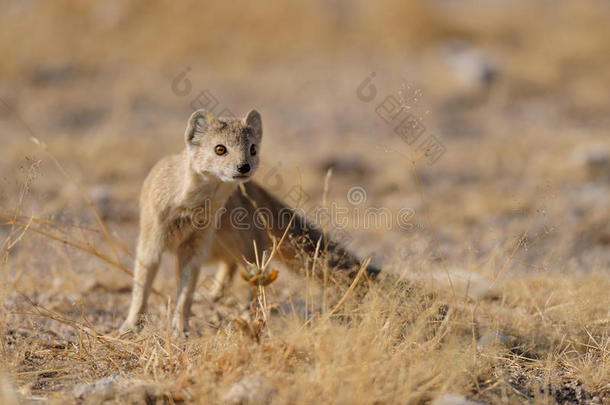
(65, 241)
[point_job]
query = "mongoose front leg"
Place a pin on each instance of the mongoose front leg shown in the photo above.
(148, 255)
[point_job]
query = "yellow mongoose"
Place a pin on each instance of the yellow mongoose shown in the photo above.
(219, 153)
(186, 207)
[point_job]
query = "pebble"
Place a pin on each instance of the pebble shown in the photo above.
(494, 338)
(454, 399)
(250, 390)
(102, 389)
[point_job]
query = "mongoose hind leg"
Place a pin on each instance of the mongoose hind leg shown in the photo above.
(222, 280)
(190, 256)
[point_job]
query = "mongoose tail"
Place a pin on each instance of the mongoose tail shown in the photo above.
(253, 214)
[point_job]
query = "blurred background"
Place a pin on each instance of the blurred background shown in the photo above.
(482, 127)
(514, 96)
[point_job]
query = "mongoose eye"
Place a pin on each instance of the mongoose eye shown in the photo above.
(220, 150)
(253, 150)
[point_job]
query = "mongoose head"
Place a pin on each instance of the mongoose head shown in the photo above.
(227, 148)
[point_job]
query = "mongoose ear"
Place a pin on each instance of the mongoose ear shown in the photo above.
(254, 121)
(197, 126)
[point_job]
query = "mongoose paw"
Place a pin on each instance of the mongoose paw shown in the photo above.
(180, 333)
(130, 326)
(179, 327)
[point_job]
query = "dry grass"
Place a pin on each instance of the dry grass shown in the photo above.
(510, 235)
(396, 346)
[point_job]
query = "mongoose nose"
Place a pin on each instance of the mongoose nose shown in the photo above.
(243, 169)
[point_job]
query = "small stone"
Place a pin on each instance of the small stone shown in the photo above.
(106, 206)
(598, 158)
(454, 399)
(494, 338)
(52, 74)
(101, 197)
(125, 390)
(298, 308)
(79, 117)
(102, 389)
(250, 390)
(595, 159)
(141, 392)
(598, 165)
